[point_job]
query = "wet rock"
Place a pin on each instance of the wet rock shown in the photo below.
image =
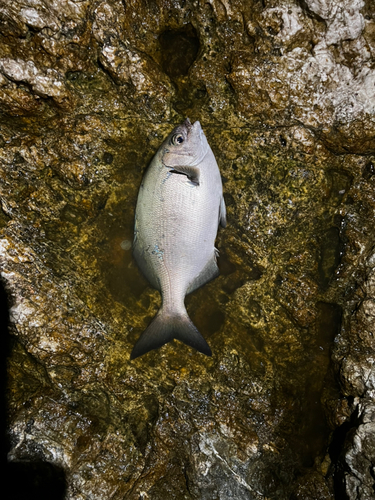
(353, 356)
(329, 256)
(305, 77)
(285, 94)
(359, 455)
(311, 487)
(45, 84)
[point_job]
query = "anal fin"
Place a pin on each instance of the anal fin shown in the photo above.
(210, 272)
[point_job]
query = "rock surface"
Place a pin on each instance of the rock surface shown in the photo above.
(285, 92)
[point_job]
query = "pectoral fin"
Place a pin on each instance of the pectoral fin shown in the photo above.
(191, 172)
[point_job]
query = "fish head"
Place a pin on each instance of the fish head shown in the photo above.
(185, 145)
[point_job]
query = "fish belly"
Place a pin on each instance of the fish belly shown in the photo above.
(176, 229)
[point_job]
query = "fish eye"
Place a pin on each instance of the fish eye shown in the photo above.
(177, 139)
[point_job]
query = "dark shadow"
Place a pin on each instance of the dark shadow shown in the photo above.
(34, 480)
(341, 436)
(179, 50)
(22, 480)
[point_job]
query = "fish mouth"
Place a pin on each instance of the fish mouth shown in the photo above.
(188, 124)
(196, 126)
(195, 130)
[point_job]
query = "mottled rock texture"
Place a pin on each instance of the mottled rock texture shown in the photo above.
(285, 92)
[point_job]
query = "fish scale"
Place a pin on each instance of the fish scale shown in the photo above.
(179, 207)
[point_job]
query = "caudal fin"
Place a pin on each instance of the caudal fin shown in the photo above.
(164, 328)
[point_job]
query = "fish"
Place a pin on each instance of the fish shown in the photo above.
(179, 208)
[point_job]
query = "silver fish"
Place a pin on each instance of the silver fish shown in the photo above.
(180, 206)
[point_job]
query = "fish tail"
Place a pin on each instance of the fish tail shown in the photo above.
(166, 327)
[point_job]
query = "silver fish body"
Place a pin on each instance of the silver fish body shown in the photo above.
(180, 206)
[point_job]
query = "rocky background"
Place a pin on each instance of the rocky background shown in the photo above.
(285, 92)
